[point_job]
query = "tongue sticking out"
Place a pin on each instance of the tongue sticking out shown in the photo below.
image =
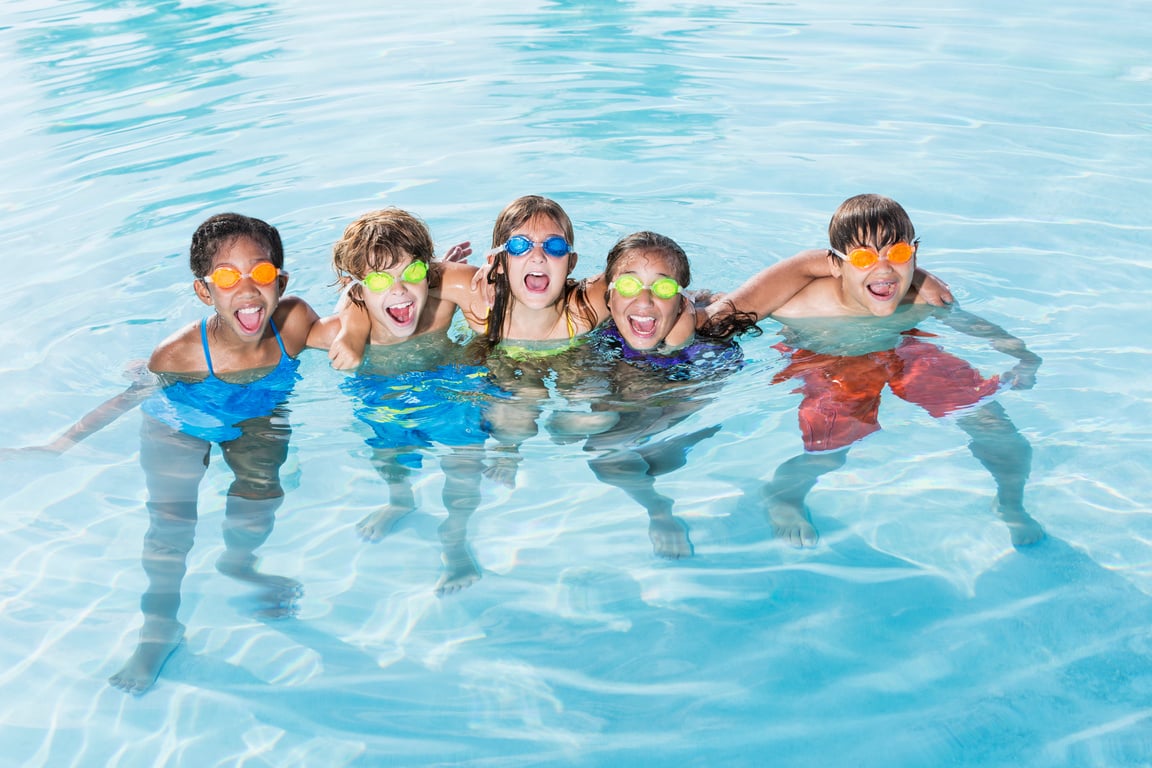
(250, 319)
(401, 313)
(536, 282)
(882, 290)
(642, 326)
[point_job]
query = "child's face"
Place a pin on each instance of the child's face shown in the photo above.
(876, 290)
(644, 320)
(246, 307)
(396, 310)
(535, 278)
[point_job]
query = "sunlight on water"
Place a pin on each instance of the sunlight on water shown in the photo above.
(913, 633)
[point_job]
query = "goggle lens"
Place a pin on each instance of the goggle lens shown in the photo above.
(629, 286)
(264, 273)
(898, 253)
(555, 246)
(378, 282)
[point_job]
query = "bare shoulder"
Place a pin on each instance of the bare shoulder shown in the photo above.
(455, 274)
(456, 287)
(595, 291)
(819, 298)
(294, 319)
(182, 352)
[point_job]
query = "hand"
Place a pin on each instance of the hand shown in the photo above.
(702, 298)
(932, 289)
(54, 449)
(480, 279)
(341, 356)
(1020, 376)
(459, 252)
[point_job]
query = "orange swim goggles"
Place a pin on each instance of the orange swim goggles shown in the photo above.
(864, 257)
(264, 273)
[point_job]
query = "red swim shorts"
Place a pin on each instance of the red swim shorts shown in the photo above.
(842, 394)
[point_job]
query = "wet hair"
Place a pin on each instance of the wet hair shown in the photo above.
(869, 220)
(380, 240)
(515, 215)
(660, 245)
(728, 324)
(224, 228)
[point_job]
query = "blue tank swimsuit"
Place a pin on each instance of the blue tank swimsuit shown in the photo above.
(212, 408)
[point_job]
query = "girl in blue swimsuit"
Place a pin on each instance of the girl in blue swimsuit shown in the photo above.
(222, 380)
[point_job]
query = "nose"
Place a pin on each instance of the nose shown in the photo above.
(645, 297)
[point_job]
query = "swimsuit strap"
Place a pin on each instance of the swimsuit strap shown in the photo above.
(208, 355)
(570, 324)
(204, 341)
(276, 333)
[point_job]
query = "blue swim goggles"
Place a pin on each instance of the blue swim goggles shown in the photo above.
(555, 246)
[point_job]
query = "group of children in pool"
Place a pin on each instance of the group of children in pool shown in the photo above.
(225, 379)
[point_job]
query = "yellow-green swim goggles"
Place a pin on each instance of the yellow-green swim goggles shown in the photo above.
(629, 286)
(378, 282)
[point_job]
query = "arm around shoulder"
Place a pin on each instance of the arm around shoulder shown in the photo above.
(772, 287)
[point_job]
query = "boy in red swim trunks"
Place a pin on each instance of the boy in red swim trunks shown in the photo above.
(843, 367)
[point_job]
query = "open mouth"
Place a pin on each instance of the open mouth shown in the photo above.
(537, 282)
(250, 319)
(402, 314)
(883, 289)
(642, 325)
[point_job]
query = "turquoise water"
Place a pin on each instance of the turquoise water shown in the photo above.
(913, 634)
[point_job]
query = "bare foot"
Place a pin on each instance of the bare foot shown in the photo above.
(791, 524)
(379, 524)
(460, 571)
(502, 470)
(1023, 529)
(139, 673)
(669, 537)
(277, 597)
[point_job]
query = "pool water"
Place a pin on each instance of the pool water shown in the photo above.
(913, 634)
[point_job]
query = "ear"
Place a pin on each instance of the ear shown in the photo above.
(835, 266)
(283, 281)
(572, 259)
(202, 292)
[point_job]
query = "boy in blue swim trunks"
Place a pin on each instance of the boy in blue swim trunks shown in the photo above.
(221, 380)
(413, 389)
(850, 335)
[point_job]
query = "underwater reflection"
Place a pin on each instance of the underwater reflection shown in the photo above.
(174, 464)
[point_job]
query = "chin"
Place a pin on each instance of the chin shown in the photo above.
(642, 345)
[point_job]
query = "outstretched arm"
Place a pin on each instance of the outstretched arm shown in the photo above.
(772, 287)
(104, 414)
(1023, 374)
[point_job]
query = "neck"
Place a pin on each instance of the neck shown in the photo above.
(526, 324)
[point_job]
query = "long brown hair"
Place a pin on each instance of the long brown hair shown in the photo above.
(515, 215)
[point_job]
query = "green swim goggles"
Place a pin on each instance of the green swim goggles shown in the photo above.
(378, 282)
(629, 286)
